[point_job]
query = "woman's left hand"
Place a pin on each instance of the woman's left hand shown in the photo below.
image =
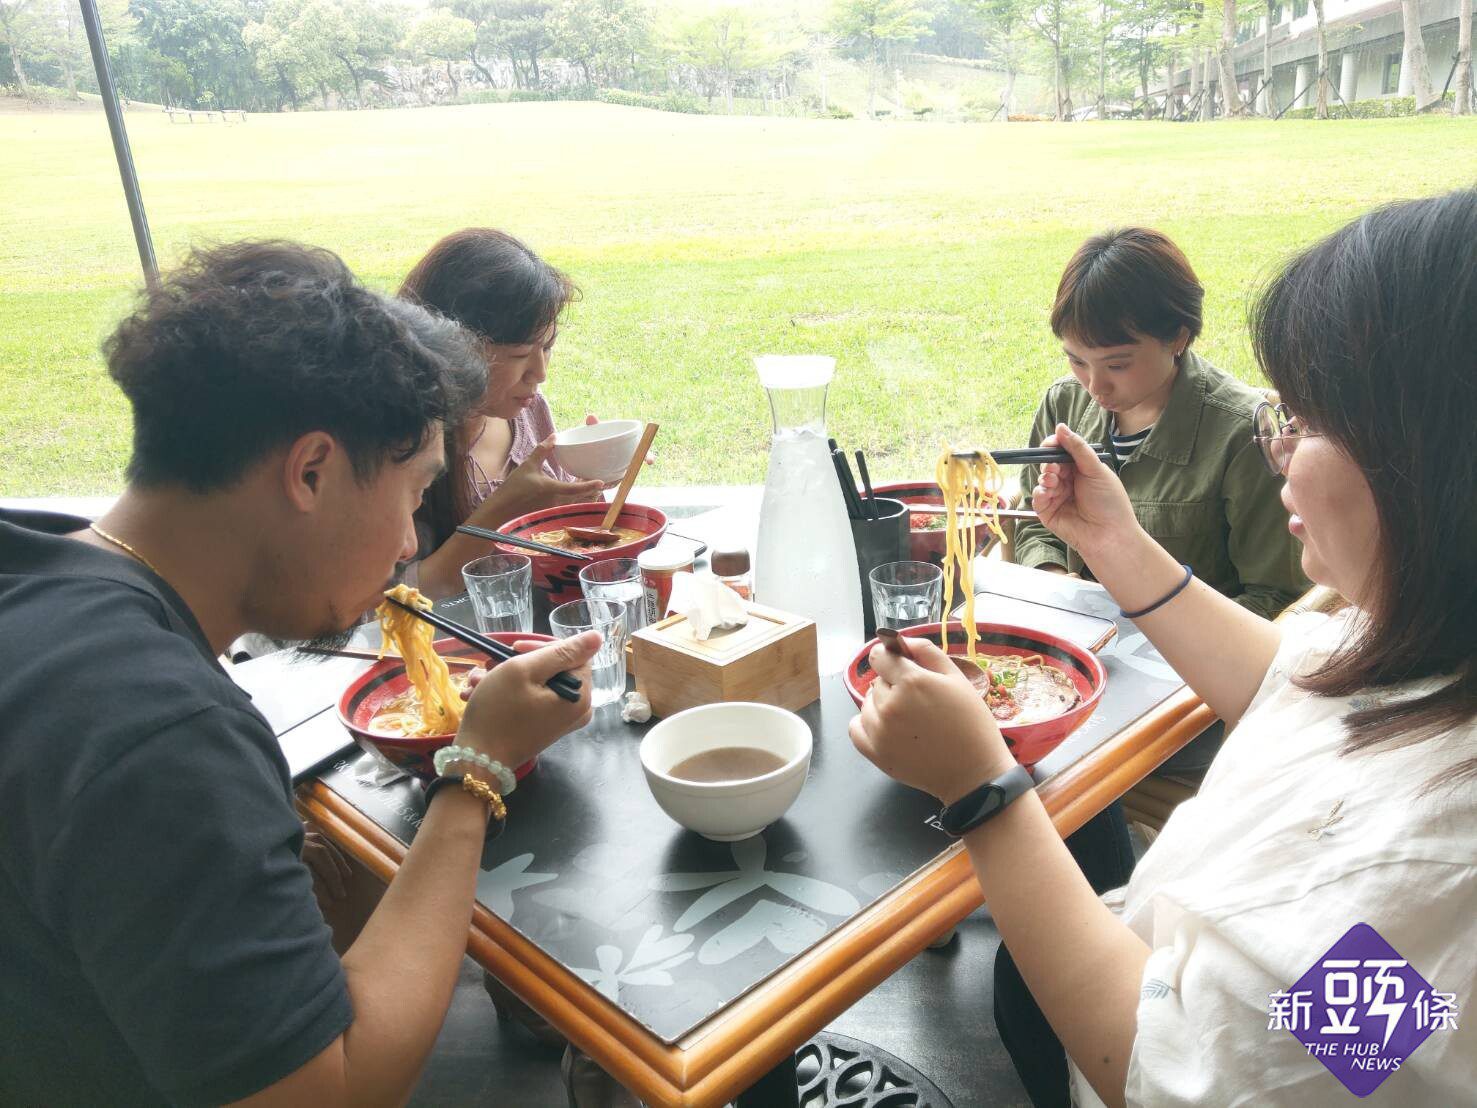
(924, 724)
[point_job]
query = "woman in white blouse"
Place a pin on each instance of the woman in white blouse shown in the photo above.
(1347, 791)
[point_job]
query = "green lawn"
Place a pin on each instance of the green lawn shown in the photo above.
(923, 256)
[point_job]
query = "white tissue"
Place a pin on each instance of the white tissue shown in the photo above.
(635, 708)
(707, 603)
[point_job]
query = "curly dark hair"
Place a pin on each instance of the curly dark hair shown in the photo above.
(245, 347)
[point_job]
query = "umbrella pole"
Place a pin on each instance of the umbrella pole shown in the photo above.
(121, 149)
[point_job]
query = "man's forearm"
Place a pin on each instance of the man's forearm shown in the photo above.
(403, 968)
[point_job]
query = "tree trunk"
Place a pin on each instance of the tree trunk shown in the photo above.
(820, 73)
(872, 84)
(20, 73)
(70, 78)
(1415, 56)
(456, 88)
(1007, 95)
(1207, 100)
(1169, 70)
(1463, 104)
(1267, 60)
(1056, 74)
(533, 56)
(1320, 101)
(358, 81)
(1230, 93)
(1102, 61)
(487, 76)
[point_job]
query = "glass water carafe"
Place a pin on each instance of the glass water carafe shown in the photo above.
(806, 558)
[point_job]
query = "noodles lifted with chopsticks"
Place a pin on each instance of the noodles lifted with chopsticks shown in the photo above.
(435, 707)
(971, 491)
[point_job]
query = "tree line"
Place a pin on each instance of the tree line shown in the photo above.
(1098, 57)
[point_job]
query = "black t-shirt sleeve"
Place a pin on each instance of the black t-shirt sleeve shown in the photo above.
(192, 914)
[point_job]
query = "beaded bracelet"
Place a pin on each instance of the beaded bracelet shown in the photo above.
(1165, 599)
(482, 791)
(448, 754)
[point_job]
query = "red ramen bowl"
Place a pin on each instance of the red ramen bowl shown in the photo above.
(925, 501)
(368, 693)
(559, 578)
(1029, 742)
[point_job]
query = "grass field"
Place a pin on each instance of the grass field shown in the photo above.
(923, 256)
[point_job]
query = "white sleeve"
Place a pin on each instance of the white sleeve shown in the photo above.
(1202, 1034)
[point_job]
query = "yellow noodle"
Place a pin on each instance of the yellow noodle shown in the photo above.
(971, 486)
(440, 704)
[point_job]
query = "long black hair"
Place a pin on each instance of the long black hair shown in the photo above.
(1371, 336)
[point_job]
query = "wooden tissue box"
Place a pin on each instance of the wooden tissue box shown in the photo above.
(771, 659)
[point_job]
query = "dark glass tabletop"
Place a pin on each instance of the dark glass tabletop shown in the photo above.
(669, 925)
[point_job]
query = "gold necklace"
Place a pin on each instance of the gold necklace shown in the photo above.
(116, 541)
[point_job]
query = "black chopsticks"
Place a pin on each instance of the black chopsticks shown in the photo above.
(854, 506)
(1035, 455)
(861, 465)
(517, 540)
(562, 683)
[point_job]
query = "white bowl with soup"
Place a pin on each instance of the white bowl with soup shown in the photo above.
(727, 771)
(598, 451)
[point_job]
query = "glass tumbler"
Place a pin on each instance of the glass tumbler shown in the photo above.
(608, 669)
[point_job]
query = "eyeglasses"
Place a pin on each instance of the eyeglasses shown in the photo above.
(1277, 431)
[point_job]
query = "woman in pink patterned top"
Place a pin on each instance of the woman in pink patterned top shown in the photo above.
(499, 463)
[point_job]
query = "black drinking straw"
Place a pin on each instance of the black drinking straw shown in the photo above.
(861, 465)
(848, 486)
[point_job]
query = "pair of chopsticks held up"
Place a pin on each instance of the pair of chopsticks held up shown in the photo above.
(564, 684)
(858, 507)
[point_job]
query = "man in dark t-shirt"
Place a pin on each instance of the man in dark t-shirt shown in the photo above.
(159, 935)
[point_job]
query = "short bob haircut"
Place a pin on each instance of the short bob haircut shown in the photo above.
(1370, 337)
(1125, 285)
(248, 346)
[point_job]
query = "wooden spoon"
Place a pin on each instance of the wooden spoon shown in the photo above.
(604, 535)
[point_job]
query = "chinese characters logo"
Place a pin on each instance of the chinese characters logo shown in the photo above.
(1361, 1010)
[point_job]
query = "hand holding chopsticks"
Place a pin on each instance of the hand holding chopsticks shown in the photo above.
(566, 686)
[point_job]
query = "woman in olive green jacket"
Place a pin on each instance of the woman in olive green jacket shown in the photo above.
(1127, 311)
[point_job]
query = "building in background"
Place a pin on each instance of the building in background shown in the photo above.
(1366, 46)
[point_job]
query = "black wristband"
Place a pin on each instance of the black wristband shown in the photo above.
(991, 798)
(494, 825)
(1166, 598)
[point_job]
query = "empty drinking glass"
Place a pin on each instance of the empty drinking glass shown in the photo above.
(608, 670)
(501, 588)
(616, 579)
(907, 594)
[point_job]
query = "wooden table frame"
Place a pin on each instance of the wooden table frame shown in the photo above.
(726, 1054)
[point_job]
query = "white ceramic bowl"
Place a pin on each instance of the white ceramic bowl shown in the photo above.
(598, 451)
(727, 810)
